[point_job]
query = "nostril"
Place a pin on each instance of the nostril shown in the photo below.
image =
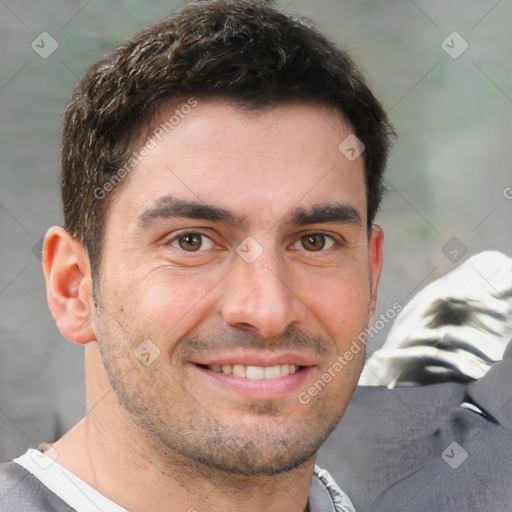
(245, 326)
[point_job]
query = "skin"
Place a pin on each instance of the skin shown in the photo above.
(172, 432)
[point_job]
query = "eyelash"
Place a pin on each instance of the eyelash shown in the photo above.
(174, 242)
(327, 238)
(330, 240)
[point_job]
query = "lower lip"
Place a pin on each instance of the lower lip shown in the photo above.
(259, 388)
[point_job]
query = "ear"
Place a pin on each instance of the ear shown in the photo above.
(376, 257)
(68, 279)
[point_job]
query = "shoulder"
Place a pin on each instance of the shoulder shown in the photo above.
(20, 491)
(325, 495)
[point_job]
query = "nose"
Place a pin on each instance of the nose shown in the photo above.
(259, 298)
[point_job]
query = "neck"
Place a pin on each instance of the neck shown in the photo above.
(125, 464)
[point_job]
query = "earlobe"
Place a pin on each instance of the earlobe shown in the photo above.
(67, 274)
(376, 256)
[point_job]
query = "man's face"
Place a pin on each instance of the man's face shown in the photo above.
(239, 242)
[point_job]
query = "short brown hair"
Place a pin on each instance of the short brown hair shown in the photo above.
(245, 51)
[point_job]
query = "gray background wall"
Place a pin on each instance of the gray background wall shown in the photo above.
(448, 176)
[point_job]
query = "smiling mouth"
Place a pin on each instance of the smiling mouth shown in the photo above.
(254, 372)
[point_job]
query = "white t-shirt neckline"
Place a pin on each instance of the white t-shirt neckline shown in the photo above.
(68, 487)
(83, 498)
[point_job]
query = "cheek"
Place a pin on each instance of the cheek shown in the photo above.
(340, 300)
(171, 302)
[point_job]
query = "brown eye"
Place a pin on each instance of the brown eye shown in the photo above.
(314, 242)
(192, 242)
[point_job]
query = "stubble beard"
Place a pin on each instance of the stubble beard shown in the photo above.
(189, 433)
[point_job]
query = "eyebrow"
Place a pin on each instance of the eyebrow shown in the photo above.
(317, 214)
(169, 207)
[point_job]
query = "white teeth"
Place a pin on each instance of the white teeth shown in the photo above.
(256, 372)
(238, 370)
(271, 372)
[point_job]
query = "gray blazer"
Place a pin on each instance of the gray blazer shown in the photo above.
(438, 448)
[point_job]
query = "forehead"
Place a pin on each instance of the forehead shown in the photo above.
(257, 163)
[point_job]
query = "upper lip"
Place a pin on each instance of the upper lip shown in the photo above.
(256, 359)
